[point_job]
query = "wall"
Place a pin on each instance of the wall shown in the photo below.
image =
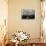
(15, 21)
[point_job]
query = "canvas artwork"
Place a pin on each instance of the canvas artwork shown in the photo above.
(28, 14)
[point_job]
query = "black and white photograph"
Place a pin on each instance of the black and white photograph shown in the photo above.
(28, 14)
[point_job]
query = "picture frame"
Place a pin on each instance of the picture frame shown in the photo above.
(28, 14)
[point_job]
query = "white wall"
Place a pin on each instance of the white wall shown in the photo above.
(15, 21)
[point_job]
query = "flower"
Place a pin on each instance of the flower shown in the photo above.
(21, 36)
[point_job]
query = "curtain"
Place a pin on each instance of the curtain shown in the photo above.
(44, 21)
(3, 18)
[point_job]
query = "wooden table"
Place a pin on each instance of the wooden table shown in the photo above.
(40, 44)
(28, 44)
(35, 42)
